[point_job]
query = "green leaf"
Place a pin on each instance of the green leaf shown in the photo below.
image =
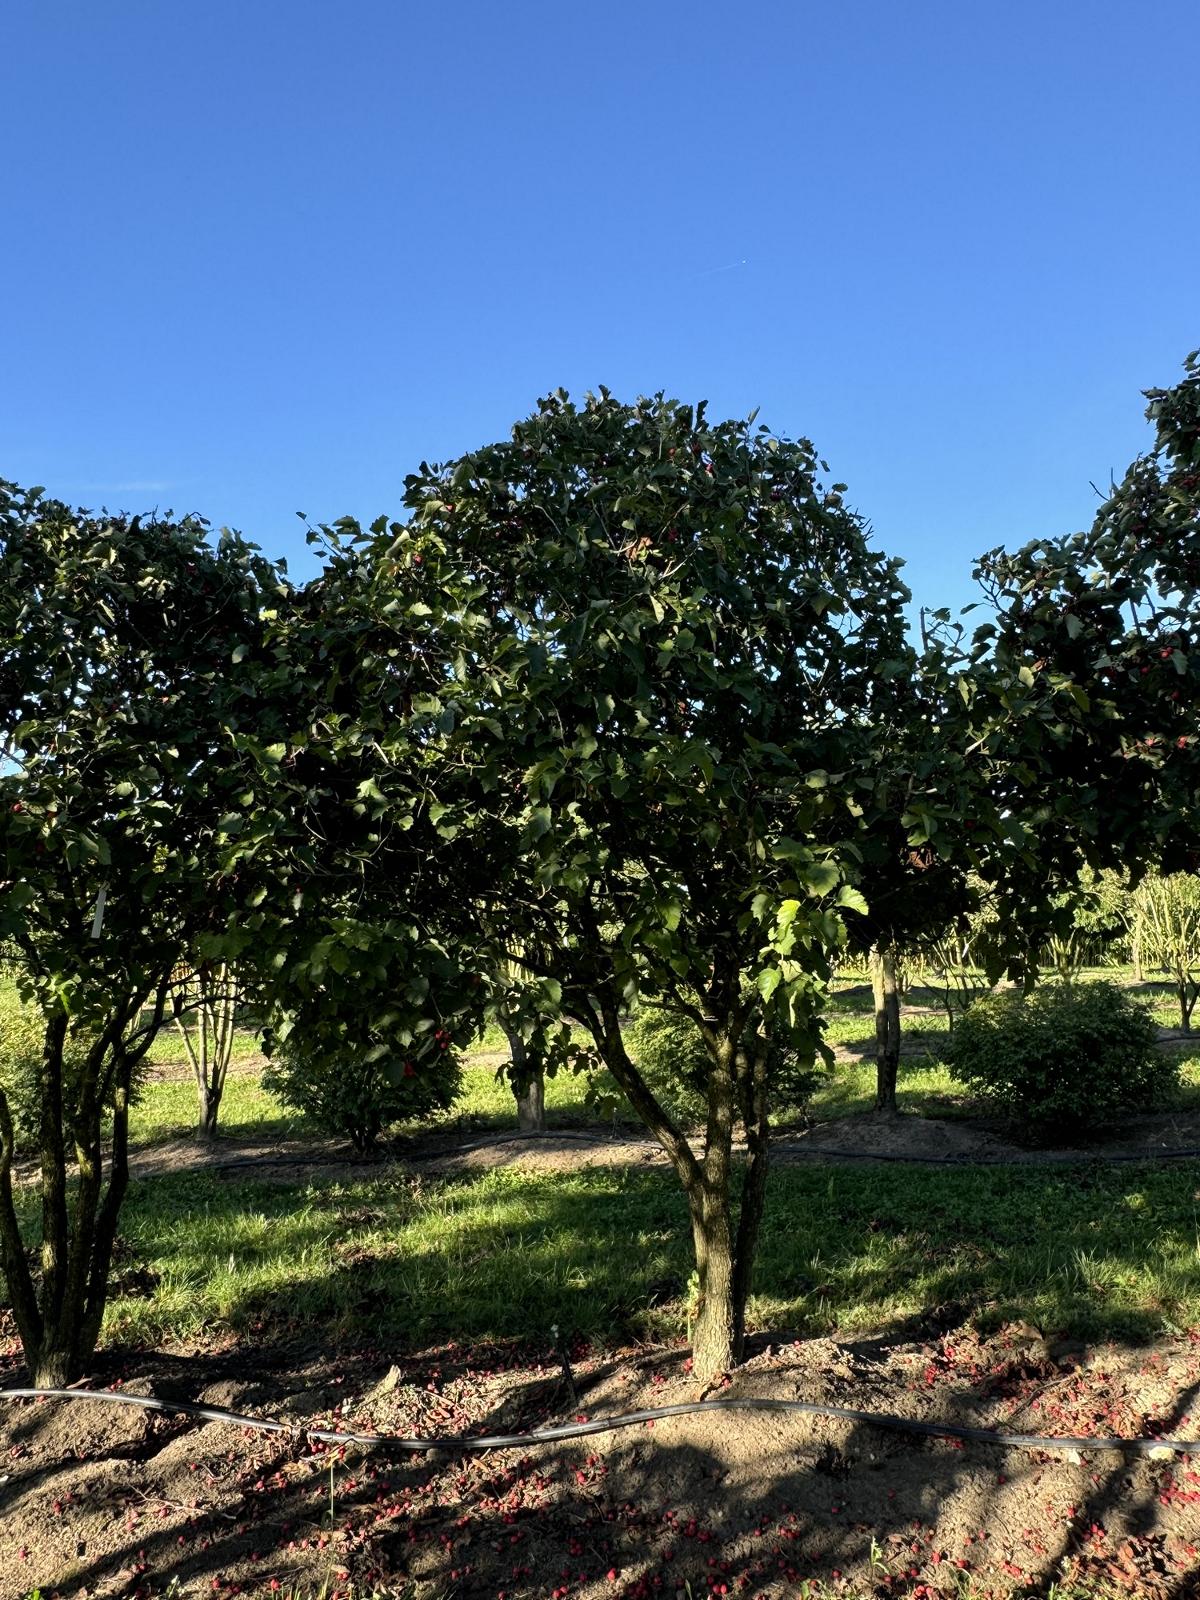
(851, 900)
(819, 877)
(786, 914)
(539, 822)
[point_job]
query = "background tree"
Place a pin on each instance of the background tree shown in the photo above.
(1167, 912)
(203, 1005)
(1094, 644)
(125, 684)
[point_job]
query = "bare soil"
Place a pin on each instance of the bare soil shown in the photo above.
(105, 1501)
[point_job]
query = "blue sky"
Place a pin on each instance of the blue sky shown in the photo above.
(262, 257)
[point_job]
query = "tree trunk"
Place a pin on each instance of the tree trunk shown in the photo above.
(210, 1105)
(887, 1028)
(209, 1052)
(715, 1344)
(13, 1261)
(106, 1223)
(1187, 993)
(59, 1320)
(724, 1255)
(531, 1106)
(754, 1085)
(528, 1081)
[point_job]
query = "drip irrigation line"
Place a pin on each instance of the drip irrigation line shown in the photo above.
(1044, 1159)
(463, 1442)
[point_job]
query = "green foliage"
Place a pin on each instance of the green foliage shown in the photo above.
(357, 1090)
(131, 692)
(671, 1056)
(22, 1035)
(1098, 637)
(638, 729)
(1066, 1057)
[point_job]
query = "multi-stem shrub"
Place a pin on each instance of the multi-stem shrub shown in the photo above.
(1064, 1057)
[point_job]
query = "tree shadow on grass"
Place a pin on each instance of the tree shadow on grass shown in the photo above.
(1090, 1250)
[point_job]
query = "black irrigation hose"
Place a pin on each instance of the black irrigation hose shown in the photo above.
(1063, 1158)
(628, 1419)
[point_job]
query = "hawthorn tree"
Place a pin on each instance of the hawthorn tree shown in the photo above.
(122, 693)
(650, 748)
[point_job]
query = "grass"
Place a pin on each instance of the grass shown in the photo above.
(1095, 1251)
(168, 1110)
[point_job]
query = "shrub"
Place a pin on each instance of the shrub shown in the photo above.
(1063, 1057)
(671, 1057)
(344, 1090)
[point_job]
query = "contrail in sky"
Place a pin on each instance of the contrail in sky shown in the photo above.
(728, 267)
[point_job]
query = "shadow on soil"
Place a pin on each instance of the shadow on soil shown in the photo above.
(741, 1503)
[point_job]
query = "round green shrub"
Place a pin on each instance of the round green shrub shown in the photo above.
(342, 1089)
(1067, 1056)
(671, 1057)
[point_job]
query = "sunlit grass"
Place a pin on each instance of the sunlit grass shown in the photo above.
(605, 1251)
(169, 1110)
(168, 1048)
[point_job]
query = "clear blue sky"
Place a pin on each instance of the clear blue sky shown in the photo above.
(263, 257)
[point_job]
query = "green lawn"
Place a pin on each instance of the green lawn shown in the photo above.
(168, 1110)
(1093, 1250)
(605, 1251)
